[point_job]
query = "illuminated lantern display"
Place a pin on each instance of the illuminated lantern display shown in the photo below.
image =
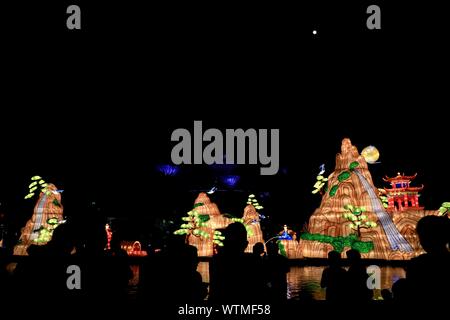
(402, 196)
(133, 248)
(108, 236)
(47, 214)
(287, 234)
(288, 244)
(217, 221)
(193, 223)
(357, 218)
(251, 220)
(390, 237)
(370, 154)
(444, 209)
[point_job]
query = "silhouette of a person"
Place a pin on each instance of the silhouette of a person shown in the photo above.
(45, 269)
(258, 250)
(105, 273)
(333, 278)
(400, 291)
(428, 274)
(276, 269)
(387, 295)
(357, 276)
(172, 276)
(236, 276)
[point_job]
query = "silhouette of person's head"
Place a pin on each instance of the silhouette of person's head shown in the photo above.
(258, 248)
(62, 239)
(175, 245)
(34, 250)
(190, 254)
(353, 256)
(400, 290)
(96, 238)
(185, 255)
(334, 258)
(386, 294)
(433, 233)
(235, 238)
(272, 248)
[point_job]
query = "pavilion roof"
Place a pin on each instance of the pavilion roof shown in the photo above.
(400, 177)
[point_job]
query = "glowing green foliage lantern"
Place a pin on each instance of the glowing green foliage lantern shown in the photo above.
(45, 233)
(253, 201)
(218, 238)
(321, 183)
(358, 219)
(44, 236)
(52, 221)
(203, 218)
(281, 248)
(37, 183)
(353, 165)
(333, 190)
(344, 176)
(444, 209)
(341, 242)
(384, 199)
(194, 222)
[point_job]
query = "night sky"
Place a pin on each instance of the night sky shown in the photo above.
(93, 112)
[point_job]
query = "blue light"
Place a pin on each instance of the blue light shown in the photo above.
(168, 170)
(230, 180)
(285, 236)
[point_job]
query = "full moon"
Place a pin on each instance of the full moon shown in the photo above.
(371, 154)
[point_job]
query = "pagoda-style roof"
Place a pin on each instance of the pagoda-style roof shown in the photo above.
(407, 189)
(400, 177)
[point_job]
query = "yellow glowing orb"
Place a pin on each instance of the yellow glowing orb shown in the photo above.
(371, 154)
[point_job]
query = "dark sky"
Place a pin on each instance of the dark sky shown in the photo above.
(93, 111)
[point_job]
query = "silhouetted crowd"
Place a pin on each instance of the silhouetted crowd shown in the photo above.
(236, 276)
(171, 276)
(427, 276)
(46, 274)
